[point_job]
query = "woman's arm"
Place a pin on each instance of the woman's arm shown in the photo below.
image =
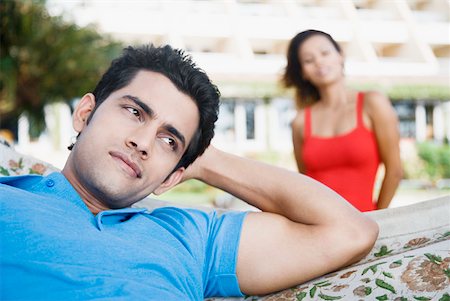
(297, 126)
(385, 124)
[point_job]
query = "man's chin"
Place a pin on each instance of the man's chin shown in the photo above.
(112, 196)
(118, 200)
(116, 190)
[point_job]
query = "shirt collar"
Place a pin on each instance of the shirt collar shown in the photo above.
(116, 216)
(58, 185)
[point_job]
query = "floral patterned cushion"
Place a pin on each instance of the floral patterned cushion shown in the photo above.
(410, 260)
(12, 163)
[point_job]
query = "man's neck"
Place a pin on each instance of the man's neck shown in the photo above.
(94, 205)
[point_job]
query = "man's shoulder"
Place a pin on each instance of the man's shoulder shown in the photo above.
(189, 212)
(183, 216)
(210, 220)
(35, 184)
(21, 182)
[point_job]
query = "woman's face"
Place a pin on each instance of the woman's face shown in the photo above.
(321, 63)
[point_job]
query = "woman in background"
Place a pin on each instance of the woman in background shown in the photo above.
(340, 136)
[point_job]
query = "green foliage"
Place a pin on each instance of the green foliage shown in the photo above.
(192, 186)
(300, 296)
(447, 272)
(436, 158)
(389, 275)
(404, 91)
(312, 292)
(419, 92)
(382, 297)
(327, 297)
(381, 283)
(373, 268)
(191, 192)
(420, 298)
(383, 251)
(396, 92)
(4, 171)
(433, 258)
(44, 59)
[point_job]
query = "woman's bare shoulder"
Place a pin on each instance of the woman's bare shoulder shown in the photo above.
(299, 119)
(375, 101)
(374, 98)
(379, 108)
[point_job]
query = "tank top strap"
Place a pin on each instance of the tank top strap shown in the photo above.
(307, 124)
(359, 109)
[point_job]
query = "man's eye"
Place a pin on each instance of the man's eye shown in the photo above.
(171, 142)
(134, 111)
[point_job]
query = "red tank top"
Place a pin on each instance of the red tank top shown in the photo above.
(347, 163)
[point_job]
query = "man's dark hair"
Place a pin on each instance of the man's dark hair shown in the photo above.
(306, 92)
(177, 66)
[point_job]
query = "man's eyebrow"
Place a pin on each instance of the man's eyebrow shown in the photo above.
(171, 129)
(140, 103)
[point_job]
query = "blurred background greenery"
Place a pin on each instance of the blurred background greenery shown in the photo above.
(436, 161)
(44, 59)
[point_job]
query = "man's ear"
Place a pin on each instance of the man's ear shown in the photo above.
(172, 180)
(82, 111)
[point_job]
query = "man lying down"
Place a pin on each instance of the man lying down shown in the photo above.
(145, 128)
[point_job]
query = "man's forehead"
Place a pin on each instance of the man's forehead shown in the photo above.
(147, 84)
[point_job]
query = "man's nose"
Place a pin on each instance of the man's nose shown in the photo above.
(142, 140)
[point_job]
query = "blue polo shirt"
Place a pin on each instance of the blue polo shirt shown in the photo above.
(54, 248)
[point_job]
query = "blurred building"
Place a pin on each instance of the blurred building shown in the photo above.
(399, 46)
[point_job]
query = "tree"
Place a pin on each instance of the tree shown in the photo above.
(44, 59)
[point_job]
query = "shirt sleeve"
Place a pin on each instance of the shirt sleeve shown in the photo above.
(213, 238)
(221, 254)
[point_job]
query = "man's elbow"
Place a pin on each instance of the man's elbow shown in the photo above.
(364, 238)
(371, 235)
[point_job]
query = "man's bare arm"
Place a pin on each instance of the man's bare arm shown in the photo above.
(304, 231)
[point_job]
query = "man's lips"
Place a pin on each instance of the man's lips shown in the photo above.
(128, 164)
